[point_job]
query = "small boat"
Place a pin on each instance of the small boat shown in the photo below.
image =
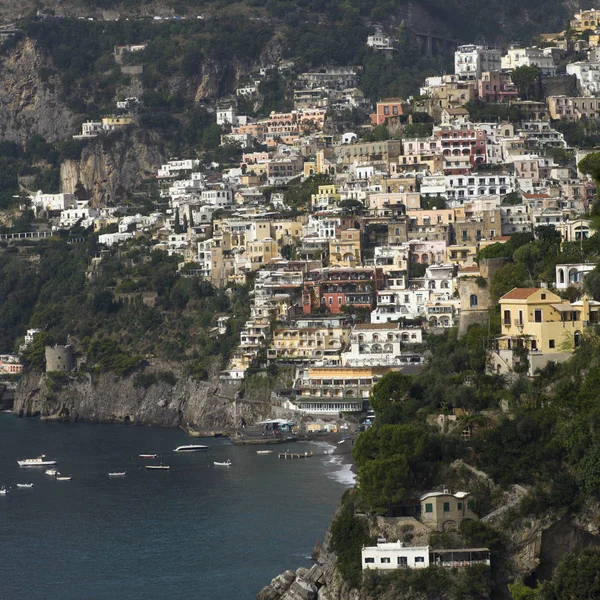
(3, 491)
(148, 455)
(24, 485)
(60, 477)
(341, 442)
(40, 461)
(118, 474)
(190, 448)
(51, 472)
(264, 452)
(157, 467)
(222, 464)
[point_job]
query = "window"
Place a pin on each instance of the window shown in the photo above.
(459, 505)
(473, 300)
(369, 560)
(551, 343)
(543, 296)
(537, 316)
(402, 561)
(386, 560)
(419, 559)
(470, 504)
(429, 508)
(446, 506)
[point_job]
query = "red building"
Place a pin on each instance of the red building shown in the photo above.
(333, 288)
(462, 142)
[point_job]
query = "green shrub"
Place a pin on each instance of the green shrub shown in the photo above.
(144, 380)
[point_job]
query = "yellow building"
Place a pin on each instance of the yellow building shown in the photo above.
(308, 343)
(335, 389)
(537, 322)
(112, 123)
(262, 251)
(320, 166)
(344, 250)
(586, 19)
(288, 228)
(327, 196)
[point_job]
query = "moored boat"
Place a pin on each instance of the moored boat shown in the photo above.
(24, 485)
(222, 464)
(158, 467)
(60, 477)
(264, 452)
(190, 448)
(118, 474)
(3, 491)
(51, 472)
(40, 461)
(148, 455)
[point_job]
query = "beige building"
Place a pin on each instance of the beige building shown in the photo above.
(344, 249)
(573, 108)
(260, 252)
(444, 511)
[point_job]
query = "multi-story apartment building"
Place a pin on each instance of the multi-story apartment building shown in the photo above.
(470, 61)
(516, 57)
(345, 249)
(465, 142)
(588, 76)
(572, 109)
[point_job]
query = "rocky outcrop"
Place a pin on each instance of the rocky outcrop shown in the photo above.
(104, 398)
(112, 165)
(30, 98)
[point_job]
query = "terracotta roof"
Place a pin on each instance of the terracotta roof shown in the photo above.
(519, 293)
(501, 238)
(457, 111)
(536, 196)
(470, 270)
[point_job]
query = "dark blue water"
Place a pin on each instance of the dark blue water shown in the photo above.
(195, 531)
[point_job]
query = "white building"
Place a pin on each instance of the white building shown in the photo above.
(380, 42)
(588, 76)
(529, 57)
(458, 188)
(572, 274)
(84, 213)
(395, 555)
(381, 344)
(515, 219)
(174, 167)
(61, 201)
(110, 239)
(471, 60)
(90, 129)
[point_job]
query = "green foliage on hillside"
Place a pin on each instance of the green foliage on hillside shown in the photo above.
(46, 287)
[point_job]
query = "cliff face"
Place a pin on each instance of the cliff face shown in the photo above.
(111, 166)
(30, 99)
(106, 399)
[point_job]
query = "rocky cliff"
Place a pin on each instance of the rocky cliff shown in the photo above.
(104, 398)
(112, 165)
(30, 97)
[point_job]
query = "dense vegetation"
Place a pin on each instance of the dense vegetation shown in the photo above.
(52, 286)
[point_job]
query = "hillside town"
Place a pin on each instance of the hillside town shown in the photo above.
(385, 248)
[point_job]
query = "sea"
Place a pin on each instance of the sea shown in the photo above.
(196, 531)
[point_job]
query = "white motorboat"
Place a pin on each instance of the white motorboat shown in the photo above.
(264, 452)
(24, 485)
(3, 491)
(60, 477)
(51, 472)
(158, 467)
(190, 448)
(222, 464)
(118, 474)
(148, 455)
(40, 461)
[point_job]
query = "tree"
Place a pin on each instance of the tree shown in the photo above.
(393, 388)
(177, 226)
(382, 482)
(524, 78)
(529, 256)
(590, 165)
(589, 470)
(577, 577)
(505, 279)
(591, 284)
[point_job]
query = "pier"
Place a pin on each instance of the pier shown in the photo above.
(287, 455)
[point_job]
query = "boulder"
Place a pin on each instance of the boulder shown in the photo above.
(301, 589)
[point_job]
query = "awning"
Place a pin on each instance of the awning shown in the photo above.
(562, 307)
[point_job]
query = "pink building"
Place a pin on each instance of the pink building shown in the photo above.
(462, 142)
(389, 107)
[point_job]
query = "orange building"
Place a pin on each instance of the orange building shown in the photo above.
(389, 107)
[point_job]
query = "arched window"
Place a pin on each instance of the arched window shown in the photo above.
(577, 339)
(364, 350)
(388, 348)
(375, 337)
(561, 275)
(376, 349)
(473, 300)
